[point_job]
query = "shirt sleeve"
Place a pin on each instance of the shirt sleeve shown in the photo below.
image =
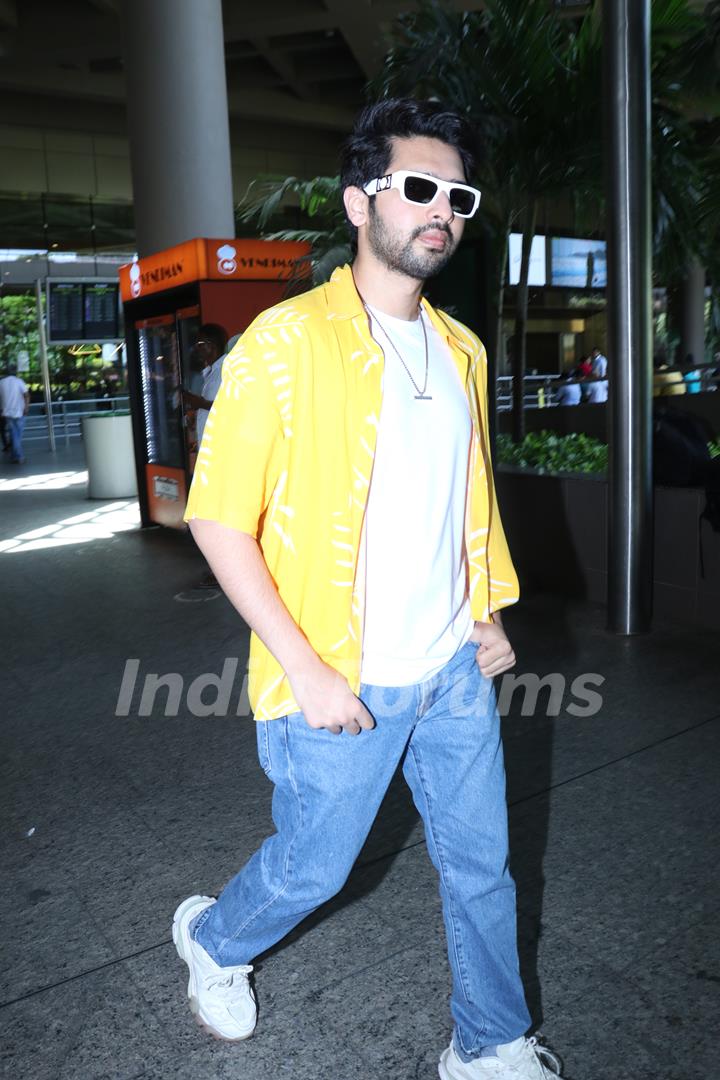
(239, 459)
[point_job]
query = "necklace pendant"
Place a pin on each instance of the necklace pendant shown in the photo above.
(423, 397)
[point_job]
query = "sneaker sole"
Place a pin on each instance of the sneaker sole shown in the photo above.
(179, 934)
(442, 1071)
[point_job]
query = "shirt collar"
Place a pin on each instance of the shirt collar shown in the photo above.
(344, 303)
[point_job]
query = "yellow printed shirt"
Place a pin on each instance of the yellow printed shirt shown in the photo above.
(287, 457)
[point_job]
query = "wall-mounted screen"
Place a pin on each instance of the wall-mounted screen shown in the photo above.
(538, 272)
(82, 310)
(578, 264)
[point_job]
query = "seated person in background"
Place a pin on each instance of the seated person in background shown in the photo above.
(567, 391)
(667, 381)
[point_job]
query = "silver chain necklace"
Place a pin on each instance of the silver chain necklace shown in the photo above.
(420, 395)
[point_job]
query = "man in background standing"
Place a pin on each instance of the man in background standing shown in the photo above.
(210, 349)
(599, 364)
(14, 405)
(208, 353)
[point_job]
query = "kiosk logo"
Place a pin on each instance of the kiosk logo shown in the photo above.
(226, 261)
(135, 278)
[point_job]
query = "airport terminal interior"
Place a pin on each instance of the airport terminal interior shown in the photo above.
(132, 145)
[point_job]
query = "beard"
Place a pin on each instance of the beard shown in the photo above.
(397, 253)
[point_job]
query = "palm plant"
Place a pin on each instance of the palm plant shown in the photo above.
(685, 92)
(531, 82)
(527, 80)
(319, 202)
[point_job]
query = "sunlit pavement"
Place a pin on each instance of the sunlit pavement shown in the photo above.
(113, 815)
(63, 472)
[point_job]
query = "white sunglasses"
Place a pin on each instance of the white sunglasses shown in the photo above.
(421, 190)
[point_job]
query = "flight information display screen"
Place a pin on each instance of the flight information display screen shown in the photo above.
(79, 311)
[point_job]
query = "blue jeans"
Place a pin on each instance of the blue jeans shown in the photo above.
(15, 425)
(327, 792)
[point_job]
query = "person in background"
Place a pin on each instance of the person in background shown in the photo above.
(209, 350)
(596, 391)
(667, 381)
(14, 406)
(584, 368)
(567, 391)
(598, 364)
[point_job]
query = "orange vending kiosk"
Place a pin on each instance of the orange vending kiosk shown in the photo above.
(166, 298)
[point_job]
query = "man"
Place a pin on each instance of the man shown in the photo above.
(207, 356)
(568, 390)
(595, 390)
(343, 497)
(14, 406)
(599, 364)
(210, 349)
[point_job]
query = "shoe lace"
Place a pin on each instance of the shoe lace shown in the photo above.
(539, 1052)
(223, 983)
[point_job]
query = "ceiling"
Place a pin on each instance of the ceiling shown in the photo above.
(288, 62)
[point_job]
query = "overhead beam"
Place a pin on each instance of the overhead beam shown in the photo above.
(112, 7)
(282, 65)
(359, 25)
(274, 106)
(8, 13)
(63, 40)
(259, 104)
(239, 24)
(67, 84)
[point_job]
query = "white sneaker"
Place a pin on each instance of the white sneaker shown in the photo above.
(220, 997)
(518, 1060)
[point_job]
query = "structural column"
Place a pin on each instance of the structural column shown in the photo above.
(178, 121)
(626, 40)
(692, 341)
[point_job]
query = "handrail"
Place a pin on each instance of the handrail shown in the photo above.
(67, 416)
(540, 389)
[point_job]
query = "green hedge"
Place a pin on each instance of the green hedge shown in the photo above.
(548, 452)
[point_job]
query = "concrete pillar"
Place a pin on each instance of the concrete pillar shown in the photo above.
(692, 339)
(178, 121)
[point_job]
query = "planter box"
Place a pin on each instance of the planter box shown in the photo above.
(110, 456)
(557, 531)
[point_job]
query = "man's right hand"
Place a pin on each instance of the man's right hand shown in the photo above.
(326, 701)
(321, 693)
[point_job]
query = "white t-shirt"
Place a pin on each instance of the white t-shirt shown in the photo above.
(596, 392)
(599, 366)
(417, 609)
(12, 397)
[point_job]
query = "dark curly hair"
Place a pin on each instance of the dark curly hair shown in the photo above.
(367, 151)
